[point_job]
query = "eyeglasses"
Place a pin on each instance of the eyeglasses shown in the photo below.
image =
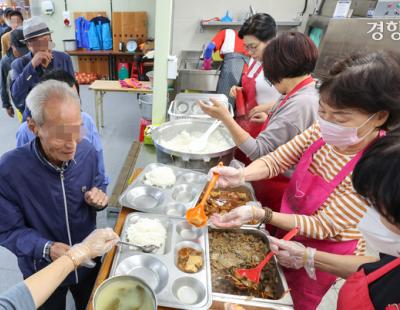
(251, 47)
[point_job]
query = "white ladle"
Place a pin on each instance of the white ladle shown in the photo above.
(199, 144)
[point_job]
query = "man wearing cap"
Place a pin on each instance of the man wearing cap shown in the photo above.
(17, 49)
(27, 70)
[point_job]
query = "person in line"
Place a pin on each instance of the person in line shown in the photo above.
(372, 283)
(231, 49)
(28, 69)
(17, 49)
(35, 290)
(359, 101)
(256, 32)
(51, 190)
(25, 135)
(288, 61)
(6, 26)
(16, 20)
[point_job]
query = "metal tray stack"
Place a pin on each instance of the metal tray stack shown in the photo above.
(160, 270)
(173, 201)
(185, 105)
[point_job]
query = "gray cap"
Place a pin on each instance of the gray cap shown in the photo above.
(35, 27)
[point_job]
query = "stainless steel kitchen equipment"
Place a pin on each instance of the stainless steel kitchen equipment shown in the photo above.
(284, 302)
(173, 287)
(185, 105)
(200, 162)
(172, 201)
(192, 77)
(366, 35)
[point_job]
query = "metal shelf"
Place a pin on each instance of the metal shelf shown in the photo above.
(291, 23)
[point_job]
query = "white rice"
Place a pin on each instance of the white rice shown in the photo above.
(161, 177)
(147, 232)
(181, 142)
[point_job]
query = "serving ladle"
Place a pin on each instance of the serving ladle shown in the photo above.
(254, 274)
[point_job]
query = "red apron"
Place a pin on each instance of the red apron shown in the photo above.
(305, 194)
(270, 192)
(249, 100)
(354, 294)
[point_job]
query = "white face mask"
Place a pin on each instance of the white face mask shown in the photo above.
(340, 136)
(377, 235)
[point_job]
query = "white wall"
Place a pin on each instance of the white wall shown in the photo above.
(56, 21)
(187, 33)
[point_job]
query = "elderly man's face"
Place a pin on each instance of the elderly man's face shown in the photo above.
(40, 44)
(61, 131)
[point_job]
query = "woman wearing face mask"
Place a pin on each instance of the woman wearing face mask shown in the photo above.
(359, 99)
(256, 31)
(288, 62)
(376, 283)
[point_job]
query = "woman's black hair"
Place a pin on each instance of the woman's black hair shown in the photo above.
(367, 82)
(290, 54)
(377, 176)
(260, 25)
(62, 76)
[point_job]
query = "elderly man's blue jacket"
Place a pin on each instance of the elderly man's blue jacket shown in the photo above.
(40, 202)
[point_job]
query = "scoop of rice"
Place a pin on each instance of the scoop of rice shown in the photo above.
(161, 177)
(147, 232)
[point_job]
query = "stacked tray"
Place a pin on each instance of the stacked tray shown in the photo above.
(185, 105)
(173, 201)
(172, 286)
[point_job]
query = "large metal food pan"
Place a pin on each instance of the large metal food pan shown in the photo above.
(285, 302)
(173, 201)
(170, 129)
(159, 270)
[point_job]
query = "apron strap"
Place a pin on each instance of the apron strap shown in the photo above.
(351, 164)
(373, 276)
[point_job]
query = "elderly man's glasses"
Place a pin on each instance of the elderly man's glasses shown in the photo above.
(251, 47)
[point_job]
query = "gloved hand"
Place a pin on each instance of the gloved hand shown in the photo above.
(292, 254)
(99, 242)
(207, 64)
(228, 176)
(237, 217)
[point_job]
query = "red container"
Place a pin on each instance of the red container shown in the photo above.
(143, 123)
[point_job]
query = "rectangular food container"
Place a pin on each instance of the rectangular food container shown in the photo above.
(160, 271)
(173, 201)
(284, 302)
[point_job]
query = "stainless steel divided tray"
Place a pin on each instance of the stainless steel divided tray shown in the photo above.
(173, 287)
(173, 201)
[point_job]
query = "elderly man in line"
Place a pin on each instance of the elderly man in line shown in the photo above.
(27, 70)
(50, 190)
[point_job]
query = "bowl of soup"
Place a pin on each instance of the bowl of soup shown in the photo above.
(124, 292)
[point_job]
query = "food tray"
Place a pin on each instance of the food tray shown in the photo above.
(173, 201)
(159, 270)
(185, 105)
(284, 302)
(246, 189)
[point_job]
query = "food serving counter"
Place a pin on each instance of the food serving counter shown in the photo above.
(284, 300)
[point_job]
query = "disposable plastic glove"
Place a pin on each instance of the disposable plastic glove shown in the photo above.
(228, 176)
(292, 254)
(207, 64)
(99, 242)
(237, 217)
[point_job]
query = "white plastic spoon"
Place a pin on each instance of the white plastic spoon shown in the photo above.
(199, 144)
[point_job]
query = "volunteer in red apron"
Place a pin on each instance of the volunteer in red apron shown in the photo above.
(291, 115)
(234, 55)
(320, 198)
(256, 32)
(371, 283)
